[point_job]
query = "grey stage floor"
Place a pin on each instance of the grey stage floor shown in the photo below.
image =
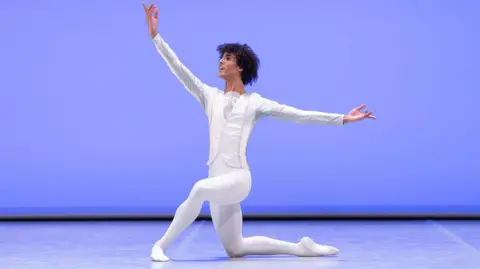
(362, 244)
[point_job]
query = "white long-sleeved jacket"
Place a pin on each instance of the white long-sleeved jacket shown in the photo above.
(229, 134)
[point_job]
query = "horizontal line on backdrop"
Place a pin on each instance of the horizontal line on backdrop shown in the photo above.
(248, 210)
(100, 217)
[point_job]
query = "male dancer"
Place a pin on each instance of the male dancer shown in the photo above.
(232, 114)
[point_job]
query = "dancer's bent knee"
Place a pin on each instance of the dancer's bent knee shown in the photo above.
(235, 250)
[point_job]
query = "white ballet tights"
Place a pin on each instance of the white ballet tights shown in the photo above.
(225, 189)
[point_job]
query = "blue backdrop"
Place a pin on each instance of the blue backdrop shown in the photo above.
(87, 121)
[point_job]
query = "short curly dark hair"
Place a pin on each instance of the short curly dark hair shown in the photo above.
(246, 60)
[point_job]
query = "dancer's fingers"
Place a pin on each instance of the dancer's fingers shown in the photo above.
(361, 107)
(151, 8)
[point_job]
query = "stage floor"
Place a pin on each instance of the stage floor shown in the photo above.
(122, 244)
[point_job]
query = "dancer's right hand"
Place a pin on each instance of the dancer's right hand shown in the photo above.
(152, 19)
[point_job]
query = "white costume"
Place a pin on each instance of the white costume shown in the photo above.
(231, 118)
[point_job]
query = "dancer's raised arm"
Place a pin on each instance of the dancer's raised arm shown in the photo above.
(194, 85)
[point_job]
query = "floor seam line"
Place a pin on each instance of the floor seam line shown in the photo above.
(189, 237)
(455, 237)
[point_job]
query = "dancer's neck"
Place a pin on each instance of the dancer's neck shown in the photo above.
(235, 85)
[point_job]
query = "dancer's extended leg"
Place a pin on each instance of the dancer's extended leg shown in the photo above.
(231, 187)
(227, 220)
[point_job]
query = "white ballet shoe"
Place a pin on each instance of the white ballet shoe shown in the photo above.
(312, 249)
(158, 255)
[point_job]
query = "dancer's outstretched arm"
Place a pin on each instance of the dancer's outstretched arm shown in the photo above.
(194, 85)
(269, 108)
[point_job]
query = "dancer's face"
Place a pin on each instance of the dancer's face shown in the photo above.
(228, 67)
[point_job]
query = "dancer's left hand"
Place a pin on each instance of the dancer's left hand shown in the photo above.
(356, 115)
(152, 18)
